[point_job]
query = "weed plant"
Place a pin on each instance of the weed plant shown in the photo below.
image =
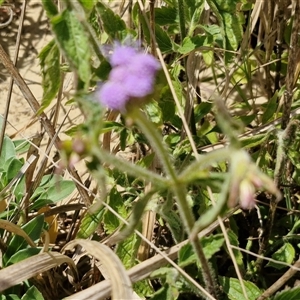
(190, 141)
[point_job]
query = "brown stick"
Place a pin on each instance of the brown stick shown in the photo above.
(280, 282)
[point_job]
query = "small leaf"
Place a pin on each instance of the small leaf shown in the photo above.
(211, 245)
(226, 5)
(233, 30)
(112, 23)
(8, 150)
(23, 254)
(285, 254)
(50, 8)
(21, 146)
(111, 222)
(33, 229)
(88, 4)
(89, 224)
(271, 109)
(74, 42)
(237, 254)
(127, 250)
(165, 15)
(290, 294)
(13, 168)
(59, 191)
(51, 75)
(195, 18)
(163, 40)
(32, 293)
(232, 288)
(191, 43)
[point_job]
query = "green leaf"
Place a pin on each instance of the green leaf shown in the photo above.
(23, 254)
(51, 75)
(8, 150)
(271, 109)
(59, 191)
(33, 228)
(233, 30)
(290, 294)
(116, 202)
(211, 245)
(285, 254)
(74, 42)
(167, 105)
(13, 168)
(90, 223)
(202, 110)
(146, 161)
(154, 112)
(127, 250)
(196, 15)
(112, 23)
(88, 4)
(33, 294)
(142, 288)
(226, 5)
(174, 223)
(136, 215)
(253, 141)
(237, 254)
(165, 15)
(163, 40)
(50, 8)
(13, 296)
(191, 43)
(232, 288)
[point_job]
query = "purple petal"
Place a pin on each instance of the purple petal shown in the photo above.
(138, 86)
(113, 95)
(122, 55)
(118, 74)
(144, 64)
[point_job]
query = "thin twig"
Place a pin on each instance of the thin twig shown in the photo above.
(280, 282)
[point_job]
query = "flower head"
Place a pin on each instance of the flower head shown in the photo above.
(132, 76)
(246, 178)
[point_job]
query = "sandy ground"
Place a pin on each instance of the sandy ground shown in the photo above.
(35, 35)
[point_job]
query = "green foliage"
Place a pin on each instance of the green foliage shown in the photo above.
(74, 43)
(51, 190)
(220, 73)
(50, 64)
(211, 245)
(291, 294)
(285, 254)
(33, 293)
(112, 23)
(33, 228)
(232, 288)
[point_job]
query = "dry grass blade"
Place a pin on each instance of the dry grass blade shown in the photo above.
(31, 267)
(120, 281)
(144, 269)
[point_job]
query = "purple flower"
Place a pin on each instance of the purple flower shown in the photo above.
(122, 55)
(132, 76)
(113, 95)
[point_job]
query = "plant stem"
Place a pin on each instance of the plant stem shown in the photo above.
(180, 6)
(178, 188)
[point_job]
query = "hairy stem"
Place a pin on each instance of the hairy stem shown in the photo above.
(179, 191)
